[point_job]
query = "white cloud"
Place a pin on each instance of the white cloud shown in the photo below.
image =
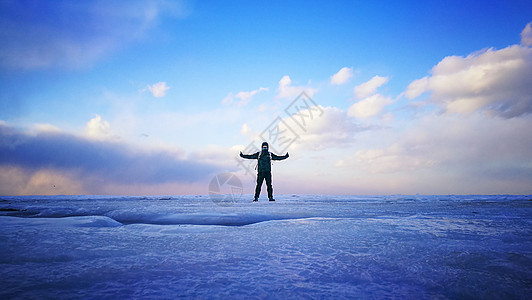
(326, 128)
(392, 159)
(287, 90)
(499, 81)
(229, 99)
(417, 87)
(38, 128)
(216, 155)
(76, 164)
(342, 76)
(98, 129)
(246, 131)
(17, 181)
(446, 153)
(526, 35)
(244, 97)
(333, 129)
(79, 34)
(369, 107)
(370, 87)
(158, 89)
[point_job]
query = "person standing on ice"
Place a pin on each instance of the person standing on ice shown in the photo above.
(264, 169)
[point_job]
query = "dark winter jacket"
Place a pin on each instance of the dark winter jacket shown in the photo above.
(264, 159)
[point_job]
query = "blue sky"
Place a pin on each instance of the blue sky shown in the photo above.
(427, 97)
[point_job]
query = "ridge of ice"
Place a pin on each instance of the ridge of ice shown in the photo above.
(84, 221)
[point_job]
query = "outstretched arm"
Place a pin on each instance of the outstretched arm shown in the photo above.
(250, 156)
(277, 157)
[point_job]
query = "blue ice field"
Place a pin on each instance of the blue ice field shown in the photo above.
(299, 247)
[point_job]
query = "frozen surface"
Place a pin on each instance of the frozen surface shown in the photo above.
(418, 247)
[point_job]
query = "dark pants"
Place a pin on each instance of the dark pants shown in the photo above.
(260, 177)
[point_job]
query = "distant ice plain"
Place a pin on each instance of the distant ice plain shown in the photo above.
(301, 246)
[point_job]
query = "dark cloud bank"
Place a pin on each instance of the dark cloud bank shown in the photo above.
(109, 161)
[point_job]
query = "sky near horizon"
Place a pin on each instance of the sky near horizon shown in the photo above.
(158, 97)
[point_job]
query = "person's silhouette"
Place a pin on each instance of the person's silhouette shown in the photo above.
(264, 169)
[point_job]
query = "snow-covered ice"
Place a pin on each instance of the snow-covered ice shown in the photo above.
(416, 247)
